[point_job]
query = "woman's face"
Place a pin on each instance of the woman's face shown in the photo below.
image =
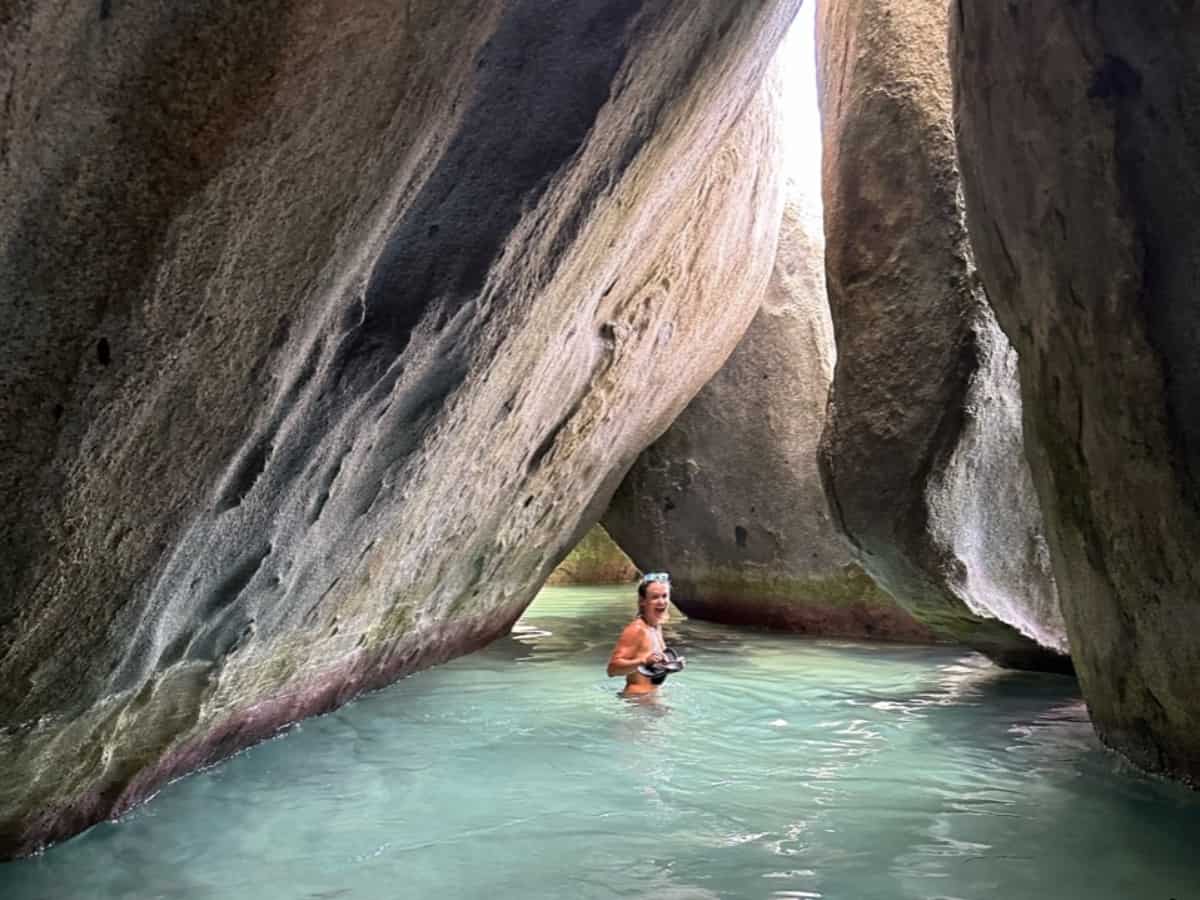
(656, 602)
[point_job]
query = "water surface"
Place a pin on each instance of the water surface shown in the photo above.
(773, 767)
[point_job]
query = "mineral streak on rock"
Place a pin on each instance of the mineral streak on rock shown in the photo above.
(917, 435)
(1079, 139)
(730, 500)
(328, 329)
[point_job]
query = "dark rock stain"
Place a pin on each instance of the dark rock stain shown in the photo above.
(543, 449)
(554, 79)
(229, 588)
(245, 475)
(1114, 79)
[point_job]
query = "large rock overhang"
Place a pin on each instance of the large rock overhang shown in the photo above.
(328, 334)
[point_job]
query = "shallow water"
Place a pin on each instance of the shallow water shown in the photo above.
(773, 767)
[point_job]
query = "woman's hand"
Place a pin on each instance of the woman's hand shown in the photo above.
(654, 659)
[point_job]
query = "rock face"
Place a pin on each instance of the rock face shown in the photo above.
(317, 325)
(1079, 140)
(595, 560)
(729, 500)
(921, 452)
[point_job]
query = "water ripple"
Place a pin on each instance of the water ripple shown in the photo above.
(772, 767)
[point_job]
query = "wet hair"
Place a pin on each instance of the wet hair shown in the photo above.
(642, 593)
(653, 578)
(645, 584)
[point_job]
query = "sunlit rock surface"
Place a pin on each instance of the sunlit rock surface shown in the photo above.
(922, 449)
(729, 500)
(1079, 141)
(983, 505)
(595, 560)
(327, 329)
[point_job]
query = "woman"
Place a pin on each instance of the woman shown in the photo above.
(641, 643)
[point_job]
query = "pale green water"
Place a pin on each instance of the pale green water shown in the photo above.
(772, 767)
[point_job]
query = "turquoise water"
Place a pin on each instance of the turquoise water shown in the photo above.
(773, 767)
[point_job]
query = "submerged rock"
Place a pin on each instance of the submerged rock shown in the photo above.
(922, 449)
(1079, 149)
(730, 500)
(326, 334)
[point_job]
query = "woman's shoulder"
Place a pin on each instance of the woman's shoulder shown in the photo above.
(636, 628)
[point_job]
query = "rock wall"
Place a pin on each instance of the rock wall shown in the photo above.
(729, 500)
(327, 331)
(1079, 141)
(922, 435)
(595, 560)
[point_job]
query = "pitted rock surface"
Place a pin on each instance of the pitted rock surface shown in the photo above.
(729, 500)
(921, 437)
(318, 323)
(1079, 140)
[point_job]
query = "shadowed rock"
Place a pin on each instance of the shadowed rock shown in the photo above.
(317, 323)
(921, 451)
(730, 500)
(1080, 140)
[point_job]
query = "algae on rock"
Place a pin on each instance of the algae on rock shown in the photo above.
(594, 560)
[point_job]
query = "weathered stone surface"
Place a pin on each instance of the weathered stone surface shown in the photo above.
(729, 500)
(317, 320)
(1079, 138)
(919, 453)
(595, 560)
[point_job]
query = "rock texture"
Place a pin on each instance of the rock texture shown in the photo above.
(1079, 137)
(729, 500)
(595, 560)
(921, 449)
(327, 332)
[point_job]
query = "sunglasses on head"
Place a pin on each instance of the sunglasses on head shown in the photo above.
(661, 577)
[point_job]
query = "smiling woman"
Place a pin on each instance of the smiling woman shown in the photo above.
(641, 645)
